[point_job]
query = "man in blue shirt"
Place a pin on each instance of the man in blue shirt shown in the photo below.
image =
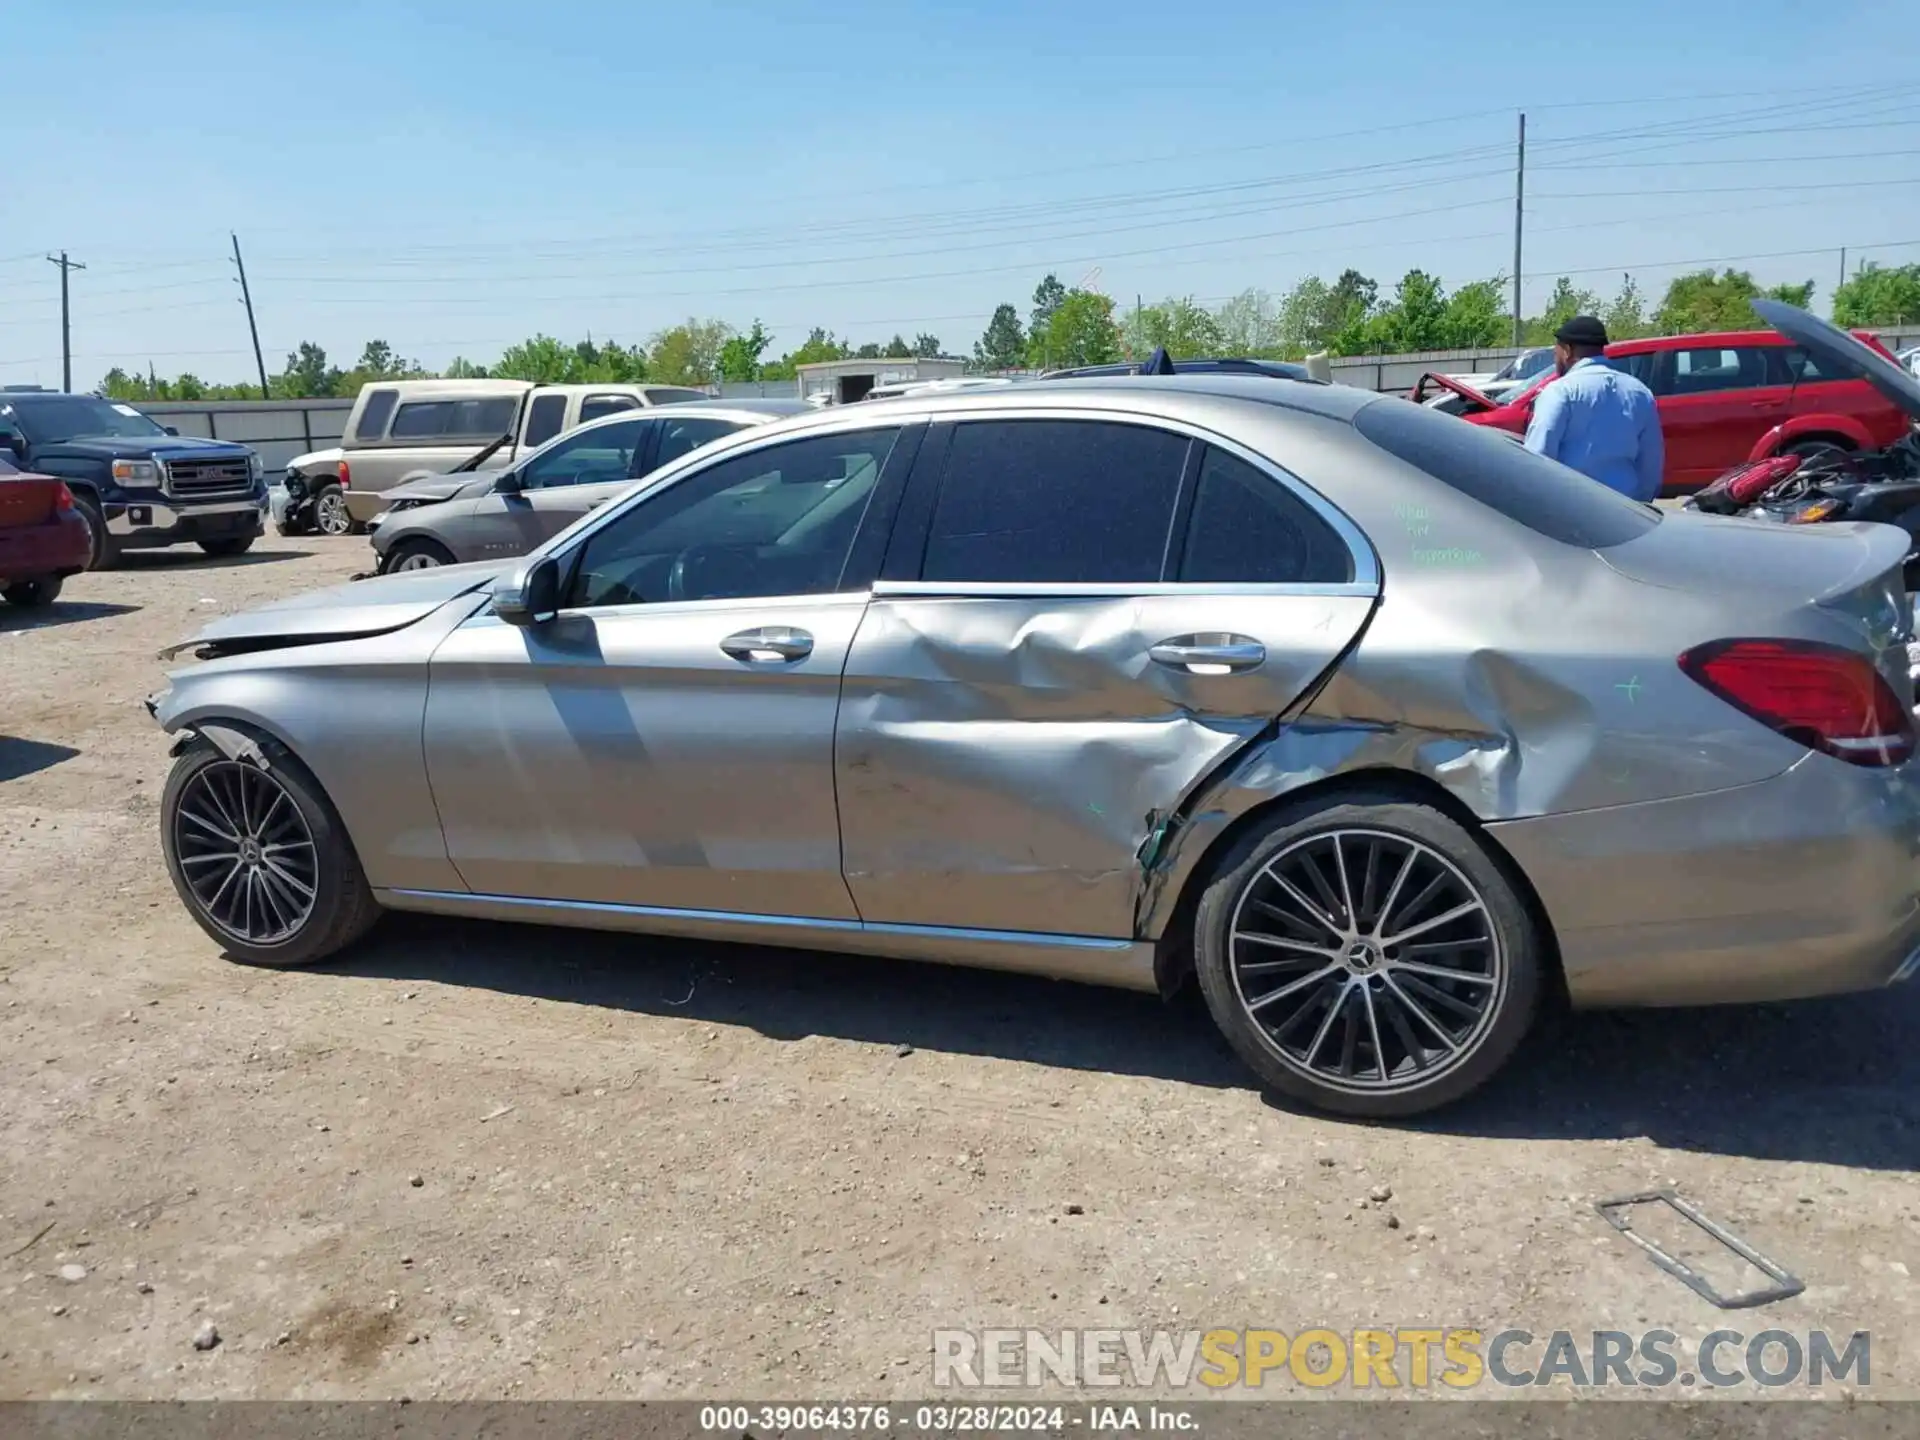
(1597, 418)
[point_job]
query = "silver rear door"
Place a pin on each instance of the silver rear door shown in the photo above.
(1098, 613)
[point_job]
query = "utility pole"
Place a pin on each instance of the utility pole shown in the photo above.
(1843, 268)
(246, 297)
(1519, 213)
(66, 319)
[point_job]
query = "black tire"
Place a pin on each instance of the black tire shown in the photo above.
(341, 908)
(232, 545)
(330, 515)
(416, 553)
(33, 594)
(1357, 978)
(1816, 449)
(103, 553)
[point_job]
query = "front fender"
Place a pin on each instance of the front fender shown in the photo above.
(1800, 426)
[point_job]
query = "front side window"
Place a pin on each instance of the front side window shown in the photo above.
(1054, 502)
(1248, 528)
(776, 521)
(545, 419)
(595, 406)
(1701, 372)
(586, 457)
(680, 437)
(375, 414)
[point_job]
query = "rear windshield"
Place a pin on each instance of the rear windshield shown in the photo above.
(1487, 466)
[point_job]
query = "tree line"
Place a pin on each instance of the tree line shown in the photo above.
(1352, 315)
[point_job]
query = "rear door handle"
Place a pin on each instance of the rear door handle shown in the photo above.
(1209, 654)
(771, 644)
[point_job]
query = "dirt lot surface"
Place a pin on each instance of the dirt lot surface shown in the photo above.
(487, 1161)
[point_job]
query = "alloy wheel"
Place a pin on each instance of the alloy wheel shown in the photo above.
(1367, 961)
(417, 560)
(330, 514)
(246, 852)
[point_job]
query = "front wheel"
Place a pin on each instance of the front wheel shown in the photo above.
(260, 859)
(330, 515)
(233, 545)
(420, 554)
(1367, 956)
(33, 594)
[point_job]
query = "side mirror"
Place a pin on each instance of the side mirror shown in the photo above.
(171, 429)
(507, 483)
(530, 594)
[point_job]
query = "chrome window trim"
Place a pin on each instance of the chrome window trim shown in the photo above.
(1069, 590)
(902, 415)
(1366, 565)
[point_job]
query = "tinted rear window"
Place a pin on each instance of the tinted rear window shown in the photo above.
(1484, 465)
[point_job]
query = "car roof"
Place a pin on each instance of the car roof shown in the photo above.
(1693, 342)
(756, 411)
(408, 388)
(1227, 364)
(1172, 396)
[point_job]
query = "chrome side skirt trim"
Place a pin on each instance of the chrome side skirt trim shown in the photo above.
(1093, 959)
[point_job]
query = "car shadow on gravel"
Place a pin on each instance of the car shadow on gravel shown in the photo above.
(61, 612)
(183, 559)
(20, 757)
(1833, 1081)
(791, 994)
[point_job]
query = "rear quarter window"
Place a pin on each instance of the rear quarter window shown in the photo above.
(1495, 471)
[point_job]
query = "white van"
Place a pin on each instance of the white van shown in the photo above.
(403, 430)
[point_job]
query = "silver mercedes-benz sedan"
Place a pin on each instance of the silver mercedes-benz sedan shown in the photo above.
(1381, 727)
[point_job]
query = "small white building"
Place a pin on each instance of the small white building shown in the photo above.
(840, 382)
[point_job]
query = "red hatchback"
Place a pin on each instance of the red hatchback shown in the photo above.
(43, 539)
(1726, 399)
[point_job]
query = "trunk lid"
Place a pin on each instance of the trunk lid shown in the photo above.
(1841, 584)
(27, 500)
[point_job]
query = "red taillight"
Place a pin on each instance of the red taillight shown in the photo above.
(62, 498)
(346, 476)
(1822, 696)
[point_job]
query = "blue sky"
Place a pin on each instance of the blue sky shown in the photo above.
(452, 178)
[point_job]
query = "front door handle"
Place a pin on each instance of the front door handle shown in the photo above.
(1209, 654)
(771, 644)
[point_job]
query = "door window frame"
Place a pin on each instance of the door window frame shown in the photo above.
(901, 571)
(857, 575)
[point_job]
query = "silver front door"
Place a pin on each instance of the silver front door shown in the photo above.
(667, 739)
(1105, 614)
(678, 755)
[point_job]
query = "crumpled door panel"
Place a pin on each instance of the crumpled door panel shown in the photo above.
(1002, 763)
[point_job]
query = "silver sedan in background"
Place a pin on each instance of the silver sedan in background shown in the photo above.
(1378, 725)
(451, 519)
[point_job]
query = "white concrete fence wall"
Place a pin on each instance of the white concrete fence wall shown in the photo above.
(282, 429)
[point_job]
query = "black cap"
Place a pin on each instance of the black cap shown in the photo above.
(1582, 330)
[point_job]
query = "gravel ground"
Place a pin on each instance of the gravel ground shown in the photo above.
(488, 1161)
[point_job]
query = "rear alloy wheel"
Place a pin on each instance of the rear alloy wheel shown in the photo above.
(260, 859)
(330, 515)
(418, 555)
(1368, 958)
